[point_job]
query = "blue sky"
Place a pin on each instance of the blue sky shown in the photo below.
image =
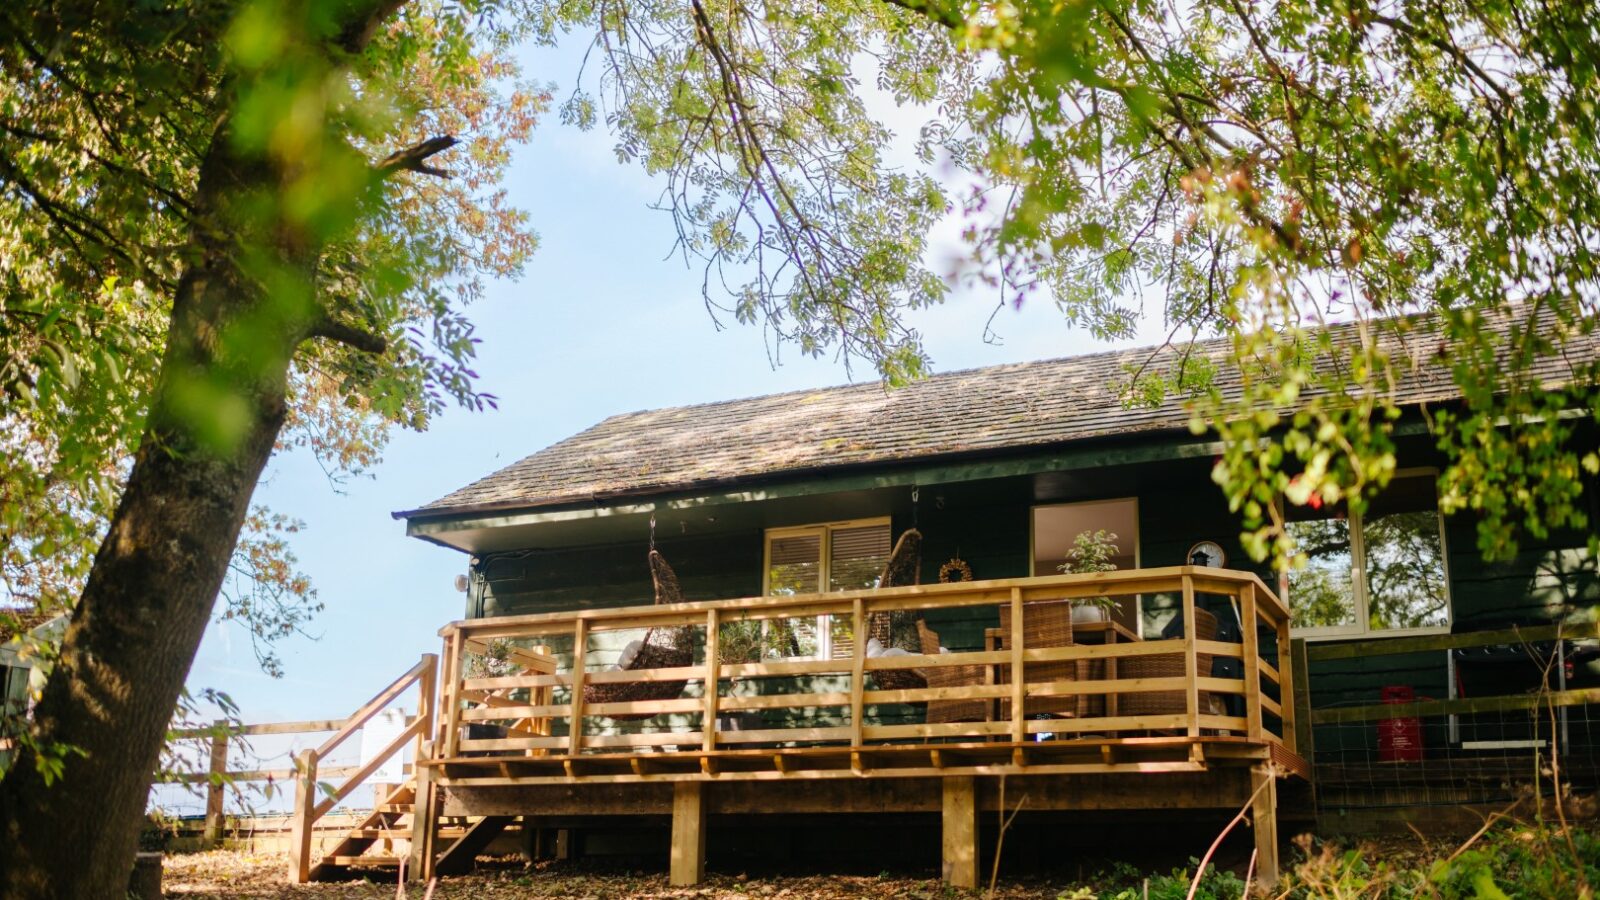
(602, 322)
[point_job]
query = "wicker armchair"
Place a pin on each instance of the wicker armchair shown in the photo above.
(950, 676)
(1045, 623)
(1167, 665)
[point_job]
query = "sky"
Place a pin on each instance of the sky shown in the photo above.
(604, 321)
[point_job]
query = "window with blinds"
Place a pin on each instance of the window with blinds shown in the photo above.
(837, 556)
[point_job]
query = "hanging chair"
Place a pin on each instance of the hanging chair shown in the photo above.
(660, 648)
(898, 628)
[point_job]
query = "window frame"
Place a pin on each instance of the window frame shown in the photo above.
(1138, 527)
(825, 531)
(1362, 628)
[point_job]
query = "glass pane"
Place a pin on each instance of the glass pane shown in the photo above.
(1321, 594)
(858, 557)
(796, 565)
(1405, 558)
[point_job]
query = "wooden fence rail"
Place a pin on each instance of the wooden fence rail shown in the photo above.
(216, 775)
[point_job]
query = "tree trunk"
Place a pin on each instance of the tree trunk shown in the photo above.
(155, 578)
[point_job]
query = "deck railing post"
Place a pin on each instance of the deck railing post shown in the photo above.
(713, 677)
(1191, 659)
(1019, 721)
(1287, 676)
(451, 732)
(427, 685)
(424, 816)
(1304, 741)
(858, 670)
(214, 783)
(580, 650)
(305, 817)
(1252, 662)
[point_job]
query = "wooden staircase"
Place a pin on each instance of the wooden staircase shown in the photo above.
(405, 826)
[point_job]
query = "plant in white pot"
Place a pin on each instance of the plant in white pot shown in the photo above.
(1092, 551)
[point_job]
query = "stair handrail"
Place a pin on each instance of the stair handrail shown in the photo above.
(307, 809)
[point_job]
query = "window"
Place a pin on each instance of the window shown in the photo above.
(838, 556)
(1379, 572)
(1056, 529)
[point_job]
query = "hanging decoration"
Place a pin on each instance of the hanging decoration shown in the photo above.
(955, 570)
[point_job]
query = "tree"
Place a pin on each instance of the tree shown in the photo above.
(209, 251)
(1420, 172)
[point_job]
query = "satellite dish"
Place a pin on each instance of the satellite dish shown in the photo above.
(461, 583)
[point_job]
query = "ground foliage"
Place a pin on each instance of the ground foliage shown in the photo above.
(1524, 860)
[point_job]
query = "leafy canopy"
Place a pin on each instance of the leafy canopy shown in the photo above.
(1424, 173)
(106, 115)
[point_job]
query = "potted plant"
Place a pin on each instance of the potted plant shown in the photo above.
(1092, 551)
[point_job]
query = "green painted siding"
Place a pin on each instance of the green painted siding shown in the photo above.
(987, 523)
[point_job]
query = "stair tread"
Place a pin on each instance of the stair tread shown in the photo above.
(399, 833)
(381, 861)
(395, 808)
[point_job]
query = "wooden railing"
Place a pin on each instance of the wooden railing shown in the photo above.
(557, 696)
(219, 739)
(307, 807)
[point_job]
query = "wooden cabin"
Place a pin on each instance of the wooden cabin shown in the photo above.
(785, 680)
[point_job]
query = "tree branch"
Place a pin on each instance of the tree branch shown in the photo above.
(931, 10)
(350, 336)
(413, 159)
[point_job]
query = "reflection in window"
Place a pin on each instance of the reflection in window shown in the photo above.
(1381, 571)
(809, 560)
(1322, 594)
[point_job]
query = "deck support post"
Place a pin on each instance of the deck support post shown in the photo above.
(960, 867)
(424, 819)
(300, 834)
(215, 784)
(688, 833)
(1264, 821)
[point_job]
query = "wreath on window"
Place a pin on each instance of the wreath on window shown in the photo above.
(955, 570)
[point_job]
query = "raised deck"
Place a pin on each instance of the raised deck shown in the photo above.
(1137, 724)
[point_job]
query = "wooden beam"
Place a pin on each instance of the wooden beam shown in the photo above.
(580, 650)
(424, 821)
(215, 785)
(1252, 662)
(1191, 660)
(1019, 728)
(1264, 819)
(858, 670)
(960, 826)
(1464, 705)
(688, 833)
(1434, 642)
(1298, 675)
(305, 801)
(708, 733)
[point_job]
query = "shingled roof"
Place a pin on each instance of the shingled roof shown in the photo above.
(996, 409)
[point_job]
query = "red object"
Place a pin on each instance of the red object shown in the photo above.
(1399, 740)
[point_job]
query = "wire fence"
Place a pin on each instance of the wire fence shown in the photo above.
(1484, 718)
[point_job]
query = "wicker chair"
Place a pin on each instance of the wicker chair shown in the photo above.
(1045, 623)
(1167, 665)
(950, 676)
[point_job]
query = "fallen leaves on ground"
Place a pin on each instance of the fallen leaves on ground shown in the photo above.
(260, 876)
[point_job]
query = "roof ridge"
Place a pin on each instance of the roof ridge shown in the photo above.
(936, 376)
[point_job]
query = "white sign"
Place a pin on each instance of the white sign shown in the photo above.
(379, 732)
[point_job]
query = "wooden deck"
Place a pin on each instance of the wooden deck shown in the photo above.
(835, 740)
